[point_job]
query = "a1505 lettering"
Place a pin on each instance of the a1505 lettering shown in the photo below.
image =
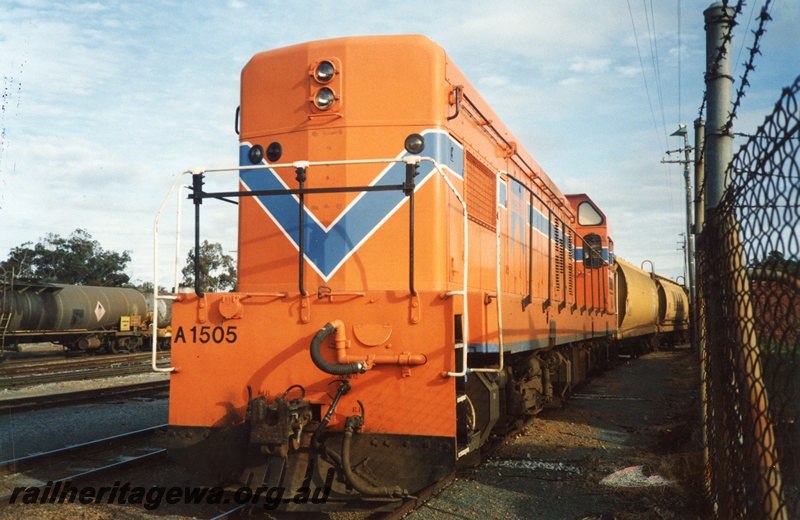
(206, 334)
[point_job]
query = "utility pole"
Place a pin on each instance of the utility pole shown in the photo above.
(689, 265)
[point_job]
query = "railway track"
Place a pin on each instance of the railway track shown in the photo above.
(40, 402)
(19, 374)
(78, 464)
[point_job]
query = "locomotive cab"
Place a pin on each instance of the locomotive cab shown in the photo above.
(595, 253)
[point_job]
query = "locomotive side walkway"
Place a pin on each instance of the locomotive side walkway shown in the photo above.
(625, 446)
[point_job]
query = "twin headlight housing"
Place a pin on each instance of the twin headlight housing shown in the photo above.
(324, 73)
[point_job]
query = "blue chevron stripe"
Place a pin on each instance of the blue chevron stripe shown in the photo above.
(327, 248)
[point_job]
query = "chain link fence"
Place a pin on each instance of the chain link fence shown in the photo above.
(749, 295)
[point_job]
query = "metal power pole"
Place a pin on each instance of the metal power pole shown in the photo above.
(719, 88)
(719, 22)
(698, 312)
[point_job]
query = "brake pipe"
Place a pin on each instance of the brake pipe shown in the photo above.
(358, 367)
(346, 364)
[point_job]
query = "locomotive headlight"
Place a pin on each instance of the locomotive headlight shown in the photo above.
(324, 98)
(415, 143)
(324, 72)
(256, 154)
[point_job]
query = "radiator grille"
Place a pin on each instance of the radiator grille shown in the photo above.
(481, 192)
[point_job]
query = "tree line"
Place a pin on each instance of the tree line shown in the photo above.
(80, 260)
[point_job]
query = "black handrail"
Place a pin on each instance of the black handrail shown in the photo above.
(301, 180)
(408, 187)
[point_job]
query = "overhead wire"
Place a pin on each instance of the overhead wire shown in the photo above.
(662, 144)
(644, 75)
(741, 46)
(656, 61)
(679, 61)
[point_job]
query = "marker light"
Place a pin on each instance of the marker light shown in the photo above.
(324, 98)
(256, 154)
(324, 72)
(414, 144)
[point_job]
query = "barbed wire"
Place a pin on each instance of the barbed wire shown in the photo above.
(755, 49)
(727, 37)
(763, 18)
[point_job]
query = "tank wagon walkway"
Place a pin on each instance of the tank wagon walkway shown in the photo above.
(625, 446)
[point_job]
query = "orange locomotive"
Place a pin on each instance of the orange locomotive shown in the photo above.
(410, 280)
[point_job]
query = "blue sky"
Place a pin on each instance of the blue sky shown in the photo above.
(104, 103)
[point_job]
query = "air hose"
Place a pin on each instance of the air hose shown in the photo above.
(357, 367)
(358, 484)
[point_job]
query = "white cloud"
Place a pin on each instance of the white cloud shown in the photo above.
(590, 66)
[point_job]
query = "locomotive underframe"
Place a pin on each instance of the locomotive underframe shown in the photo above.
(285, 444)
(86, 340)
(407, 462)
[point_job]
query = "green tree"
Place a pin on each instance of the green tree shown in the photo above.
(217, 270)
(75, 260)
(145, 287)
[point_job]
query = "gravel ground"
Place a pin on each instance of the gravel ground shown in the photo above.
(43, 430)
(624, 447)
(635, 427)
(25, 433)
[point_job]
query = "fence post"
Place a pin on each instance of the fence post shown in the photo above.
(697, 309)
(729, 315)
(719, 91)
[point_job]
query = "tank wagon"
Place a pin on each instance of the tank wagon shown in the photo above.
(652, 310)
(410, 281)
(81, 318)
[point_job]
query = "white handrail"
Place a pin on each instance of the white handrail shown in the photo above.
(295, 164)
(499, 298)
(156, 297)
(465, 315)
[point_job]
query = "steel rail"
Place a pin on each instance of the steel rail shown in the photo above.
(40, 460)
(74, 375)
(40, 402)
(31, 366)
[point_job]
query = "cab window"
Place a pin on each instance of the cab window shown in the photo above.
(592, 251)
(588, 215)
